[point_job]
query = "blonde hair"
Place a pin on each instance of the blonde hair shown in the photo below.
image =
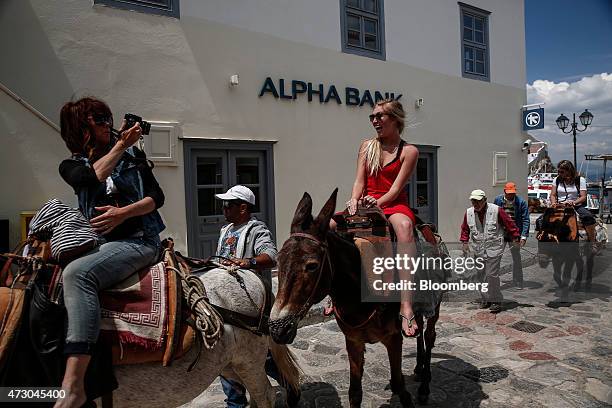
(373, 147)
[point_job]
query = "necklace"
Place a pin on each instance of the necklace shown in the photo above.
(391, 151)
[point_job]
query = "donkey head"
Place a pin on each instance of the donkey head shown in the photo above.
(304, 268)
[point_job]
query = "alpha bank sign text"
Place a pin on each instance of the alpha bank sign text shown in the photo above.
(295, 89)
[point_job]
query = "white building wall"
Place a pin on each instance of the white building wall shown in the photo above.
(422, 34)
(178, 70)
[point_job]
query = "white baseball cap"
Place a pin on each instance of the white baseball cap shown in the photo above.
(477, 195)
(238, 193)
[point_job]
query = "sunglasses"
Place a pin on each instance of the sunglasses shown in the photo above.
(101, 120)
(229, 204)
(378, 116)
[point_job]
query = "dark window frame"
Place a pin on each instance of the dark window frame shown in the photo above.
(190, 145)
(432, 152)
(485, 46)
(170, 9)
(362, 14)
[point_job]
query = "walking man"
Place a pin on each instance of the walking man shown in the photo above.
(482, 232)
(518, 210)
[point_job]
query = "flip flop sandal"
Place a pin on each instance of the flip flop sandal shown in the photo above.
(329, 309)
(416, 334)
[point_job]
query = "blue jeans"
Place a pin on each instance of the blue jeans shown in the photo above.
(236, 393)
(99, 269)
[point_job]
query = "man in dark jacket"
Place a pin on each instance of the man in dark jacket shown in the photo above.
(518, 210)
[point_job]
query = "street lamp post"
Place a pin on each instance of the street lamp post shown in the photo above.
(586, 118)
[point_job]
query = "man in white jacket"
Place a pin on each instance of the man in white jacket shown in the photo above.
(482, 232)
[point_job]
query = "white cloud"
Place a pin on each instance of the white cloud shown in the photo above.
(593, 93)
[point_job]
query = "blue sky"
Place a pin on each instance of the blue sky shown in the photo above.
(569, 67)
(568, 39)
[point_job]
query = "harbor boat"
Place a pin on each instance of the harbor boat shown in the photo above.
(539, 186)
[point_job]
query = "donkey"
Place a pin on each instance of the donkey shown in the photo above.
(315, 262)
(558, 239)
(239, 354)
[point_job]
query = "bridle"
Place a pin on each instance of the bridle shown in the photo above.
(325, 247)
(304, 309)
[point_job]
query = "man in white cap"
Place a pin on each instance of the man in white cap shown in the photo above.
(482, 231)
(247, 242)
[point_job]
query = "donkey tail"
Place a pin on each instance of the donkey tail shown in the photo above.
(288, 367)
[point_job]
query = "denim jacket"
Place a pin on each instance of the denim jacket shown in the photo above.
(128, 181)
(521, 213)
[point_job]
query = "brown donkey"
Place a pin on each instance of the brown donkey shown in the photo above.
(315, 262)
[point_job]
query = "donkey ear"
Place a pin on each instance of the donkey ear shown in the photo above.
(303, 214)
(327, 212)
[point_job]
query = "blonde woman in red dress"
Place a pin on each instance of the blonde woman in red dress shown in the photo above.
(384, 166)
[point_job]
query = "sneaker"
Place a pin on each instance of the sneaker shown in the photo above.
(495, 308)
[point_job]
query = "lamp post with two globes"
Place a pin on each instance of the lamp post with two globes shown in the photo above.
(586, 118)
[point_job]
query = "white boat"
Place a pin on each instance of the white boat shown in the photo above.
(540, 186)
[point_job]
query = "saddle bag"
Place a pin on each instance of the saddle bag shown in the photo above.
(70, 232)
(47, 326)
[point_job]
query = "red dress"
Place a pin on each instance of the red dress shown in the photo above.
(378, 185)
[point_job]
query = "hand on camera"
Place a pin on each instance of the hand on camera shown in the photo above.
(131, 135)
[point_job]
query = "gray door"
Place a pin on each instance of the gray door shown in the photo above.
(213, 171)
(422, 187)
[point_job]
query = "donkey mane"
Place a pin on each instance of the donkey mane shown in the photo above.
(346, 257)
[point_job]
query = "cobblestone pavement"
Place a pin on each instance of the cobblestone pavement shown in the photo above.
(547, 348)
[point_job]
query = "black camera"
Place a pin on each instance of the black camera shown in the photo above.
(131, 119)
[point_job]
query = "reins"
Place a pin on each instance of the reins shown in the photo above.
(326, 257)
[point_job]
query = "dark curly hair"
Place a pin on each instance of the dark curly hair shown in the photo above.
(75, 128)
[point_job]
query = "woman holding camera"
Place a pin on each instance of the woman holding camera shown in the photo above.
(119, 195)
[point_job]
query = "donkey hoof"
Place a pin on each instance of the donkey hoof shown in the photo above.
(405, 399)
(418, 374)
(423, 393)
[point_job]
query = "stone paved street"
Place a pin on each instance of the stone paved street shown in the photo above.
(482, 359)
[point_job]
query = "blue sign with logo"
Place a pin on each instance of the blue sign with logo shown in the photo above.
(533, 119)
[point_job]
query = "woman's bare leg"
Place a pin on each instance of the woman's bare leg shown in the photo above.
(74, 382)
(402, 224)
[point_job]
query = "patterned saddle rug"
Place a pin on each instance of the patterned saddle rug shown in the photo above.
(141, 318)
(135, 311)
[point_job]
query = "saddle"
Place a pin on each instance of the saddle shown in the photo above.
(557, 225)
(374, 237)
(175, 337)
(255, 324)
